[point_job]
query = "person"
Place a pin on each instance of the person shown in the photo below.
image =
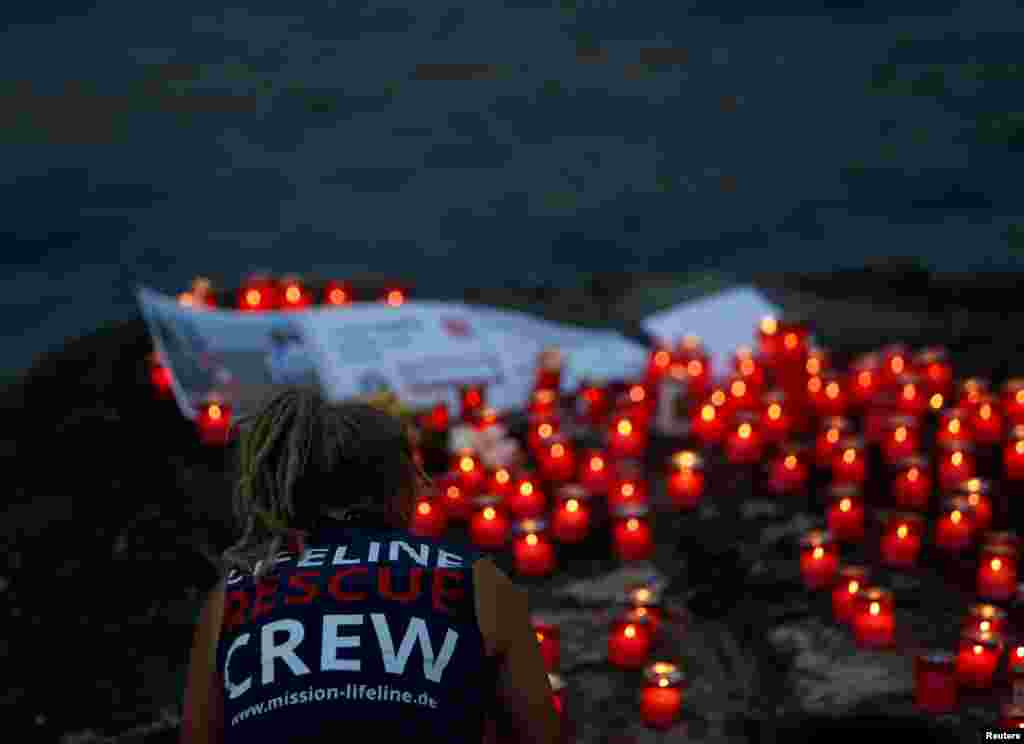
(331, 618)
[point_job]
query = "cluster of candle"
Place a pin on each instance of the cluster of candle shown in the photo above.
(264, 293)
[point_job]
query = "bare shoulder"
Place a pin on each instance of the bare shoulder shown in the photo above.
(496, 597)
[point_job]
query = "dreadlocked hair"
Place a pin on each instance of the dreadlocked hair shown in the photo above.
(301, 457)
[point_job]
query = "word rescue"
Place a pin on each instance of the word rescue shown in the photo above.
(397, 572)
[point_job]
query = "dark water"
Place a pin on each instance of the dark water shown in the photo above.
(148, 143)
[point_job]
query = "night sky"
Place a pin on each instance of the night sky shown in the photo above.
(145, 143)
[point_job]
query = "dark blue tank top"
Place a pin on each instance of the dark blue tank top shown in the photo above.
(369, 630)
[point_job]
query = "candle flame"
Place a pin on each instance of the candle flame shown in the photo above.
(909, 391)
(875, 608)
(686, 459)
(832, 435)
(531, 539)
(627, 490)
(545, 430)
(423, 508)
(1019, 447)
(662, 682)
(819, 553)
(395, 297)
(814, 385)
(974, 485)
(1019, 397)
(897, 364)
(214, 412)
(490, 513)
(953, 427)
(637, 393)
(853, 587)
(1020, 652)
(641, 611)
(936, 401)
(996, 564)
(707, 413)
(747, 367)
(900, 435)
(466, 464)
(974, 499)
(526, 488)
(633, 524)
(718, 398)
(956, 516)
(913, 474)
(769, 325)
(902, 531)
(774, 411)
(744, 431)
(642, 595)
(186, 299)
(558, 449)
(629, 631)
(337, 296)
(791, 340)
(984, 626)
(813, 366)
(985, 411)
(253, 297)
(845, 505)
(597, 463)
(849, 456)
(738, 388)
(454, 493)
(502, 476)
(572, 506)
(790, 462)
(540, 637)
(695, 368)
(864, 379)
(663, 667)
(978, 649)
(625, 427)
(662, 358)
(832, 390)
(293, 294)
(957, 459)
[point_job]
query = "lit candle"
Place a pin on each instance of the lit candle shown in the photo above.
(469, 471)
(708, 424)
(295, 295)
(895, 361)
(543, 402)
(970, 392)
(901, 540)
(956, 464)
(533, 552)
(437, 419)
(902, 439)
(827, 396)
(258, 294)
(740, 395)
(549, 639)
(549, 369)
(657, 363)
(570, 522)
(527, 499)
(629, 485)
(541, 428)
(501, 482)
(912, 486)
(213, 422)
(160, 375)
(558, 459)
(844, 595)
(865, 379)
(685, 480)
(337, 294)
(592, 402)
(776, 421)
(489, 525)
(986, 421)
(1013, 454)
(911, 399)
(997, 573)
(458, 506)
(817, 362)
(1015, 664)
(874, 624)
(846, 513)
(768, 339)
(977, 491)
(486, 418)
(794, 344)
(936, 371)
(692, 354)
(1012, 716)
(827, 442)
(629, 641)
(819, 559)
(935, 682)
(789, 470)
(953, 530)
(472, 399)
(977, 660)
(953, 423)
(744, 444)
(626, 438)
(1013, 400)
(393, 297)
(631, 533)
(985, 618)
(638, 402)
(749, 368)
(849, 464)
(645, 600)
(661, 699)
(428, 518)
(595, 472)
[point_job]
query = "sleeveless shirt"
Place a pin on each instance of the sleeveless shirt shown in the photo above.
(369, 633)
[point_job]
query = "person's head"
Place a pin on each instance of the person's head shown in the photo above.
(302, 457)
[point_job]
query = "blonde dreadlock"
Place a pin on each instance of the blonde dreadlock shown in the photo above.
(301, 457)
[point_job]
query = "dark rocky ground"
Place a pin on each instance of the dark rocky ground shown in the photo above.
(115, 511)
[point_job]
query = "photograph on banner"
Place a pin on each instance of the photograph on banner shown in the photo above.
(724, 321)
(237, 358)
(421, 351)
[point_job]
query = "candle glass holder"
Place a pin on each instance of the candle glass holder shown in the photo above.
(977, 660)
(969, 392)
(428, 518)
(978, 493)
(935, 682)
(595, 471)
(661, 698)
(213, 422)
(629, 642)
(912, 484)
(936, 371)
(558, 695)
(819, 559)
(846, 513)
(997, 573)
(489, 525)
(832, 431)
(558, 459)
(549, 638)
(849, 463)
(952, 427)
(571, 518)
(985, 618)
(902, 439)
(844, 595)
(776, 420)
(626, 438)
(469, 471)
(789, 471)
(902, 537)
(549, 369)
(532, 550)
(472, 399)
(865, 379)
(527, 498)
(1013, 400)
(685, 480)
(632, 536)
(954, 530)
(986, 421)
(708, 424)
(629, 486)
(646, 601)
(745, 444)
(912, 398)
(874, 622)
(1013, 454)
(592, 402)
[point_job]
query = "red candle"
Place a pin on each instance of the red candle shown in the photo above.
(849, 464)
(570, 522)
(977, 659)
(549, 639)
(997, 573)
(901, 540)
(486, 418)
(912, 486)
(977, 492)
(160, 375)
(819, 559)
(846, 513)
(708, 424)
(527, 499)
(1012, 716)
(832, 431)
(685, 481)
(741, 397)
(956, 464)
(457, 505)
(794, 345)
(489, 525)
(629, 485)
(844, 596)
(902, 439)
(827, 395)
(817, 362)
(865, 379)
(258, 294)
(294, 294)
(1015, 664)
(985, 618)
(952, 426)
(213, 422)
(533, 552)
(558, 459)
(592, 403)
(776, 421)
(595, 471)
(935, 682)
(626, 438)
(631, 533)
(1013, 400)
(639, 402)
(437, 419)
(428, 518)
(935, 370)
(645, 600)
(692, 354)
(789, 470)
(657, 364)
(769, 340)
(953, 530)
(549, 369)
(749, 368)
(501, 482)
(895, 361)
(874, 624)
(1013, 454)
(744, 444)
(472, 398)
(468, 471)
(986, 421)
(543, 402)
(629, 641)
(661, 699)
(336, 294)
(971, 391)
(912, 399)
